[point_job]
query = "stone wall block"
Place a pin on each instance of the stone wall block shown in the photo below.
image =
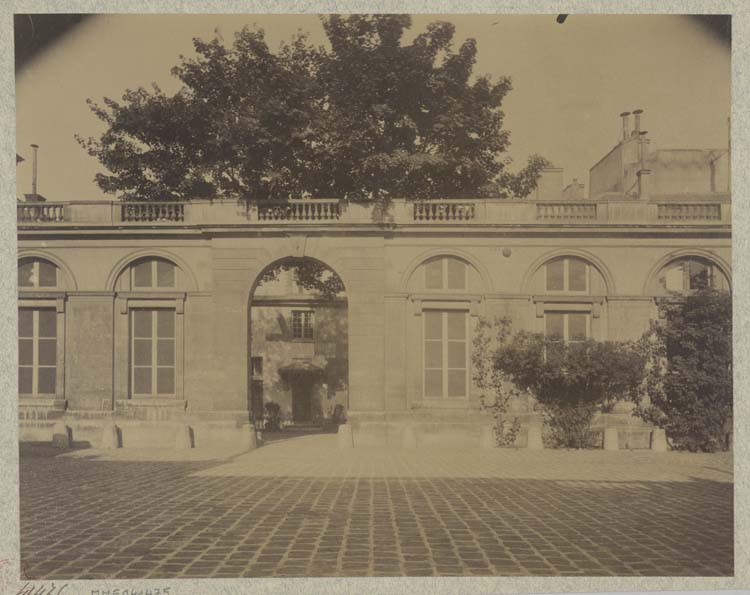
(611, 439)
(659, 440)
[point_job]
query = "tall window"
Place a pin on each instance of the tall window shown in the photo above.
(567, 274)
(37, 351)
(33, 273)
(302, 324)
(153, 273)
(445, 354)
(445, 272)
(569, 327)
(153, 352)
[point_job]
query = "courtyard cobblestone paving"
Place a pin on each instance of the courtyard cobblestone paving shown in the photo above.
(306, 509)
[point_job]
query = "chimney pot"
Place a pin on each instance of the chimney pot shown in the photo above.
(637, 113)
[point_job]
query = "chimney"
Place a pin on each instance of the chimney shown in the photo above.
(33, 171)
(34, 196)
(625, 118)
(637, 113)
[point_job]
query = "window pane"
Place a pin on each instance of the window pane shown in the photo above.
(433, 274)
(433, 324)
(555, 272)
(25, 322)
(24, 380)
(297, 325)
(47, 323)
(25, 352)
(142, 274)
(165, 323)
(433, 354)
(433, 383)
(456, 383)
(699, 274)
(577, 327)
(307, 329)
(142, 352)
(26, 274)
(142, 381)
(165, 352)
(456, 274)
(47, 352)
(456, 354)
(674, 279)
(576, 275)
(142, 323)
(164, 273)
(554, 325)
(165, 381)
(47, 380)
(456, 325)
(47, 274)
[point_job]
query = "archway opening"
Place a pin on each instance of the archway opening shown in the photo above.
(298, 363)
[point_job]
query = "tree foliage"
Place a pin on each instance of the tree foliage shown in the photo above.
(369, 117)
(689, 371)
(309, 274)
(570, 381)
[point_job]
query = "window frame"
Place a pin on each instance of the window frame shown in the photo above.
(153, 263)
(35, 262)
(122, 373)
(566, 324)
(307, 322)
(35, 343)
(154, 365)
(444, 280)
(566, 276)
(55, 302)
(444, 341)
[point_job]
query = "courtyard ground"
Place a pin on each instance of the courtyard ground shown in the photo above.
(301, 507)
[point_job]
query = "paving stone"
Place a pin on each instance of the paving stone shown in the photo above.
(523, 517)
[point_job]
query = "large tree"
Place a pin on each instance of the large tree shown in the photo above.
(369, 117)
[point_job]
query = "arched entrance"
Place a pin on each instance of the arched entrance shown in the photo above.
(298, 364)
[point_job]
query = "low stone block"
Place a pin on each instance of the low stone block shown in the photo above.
(487, 437)
(344, 438)
(534, 437)
(183, 438)
(62, 436)
(659, 440)
(409, 438)
(110, 436)
(611, 439)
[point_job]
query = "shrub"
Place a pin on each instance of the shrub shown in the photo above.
(689, 370)
(495, 386)
(570, 381)
(272, 417)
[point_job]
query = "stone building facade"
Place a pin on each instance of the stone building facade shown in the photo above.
(137, 323)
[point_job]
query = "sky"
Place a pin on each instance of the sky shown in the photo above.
(570, 82)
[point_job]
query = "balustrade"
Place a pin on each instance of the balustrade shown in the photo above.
(40, 213)
(565, 211)
(443, 211)
(689, 211)
(309, 210)
(152, 212)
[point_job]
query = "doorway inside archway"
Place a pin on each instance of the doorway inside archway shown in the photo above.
(298, 363)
